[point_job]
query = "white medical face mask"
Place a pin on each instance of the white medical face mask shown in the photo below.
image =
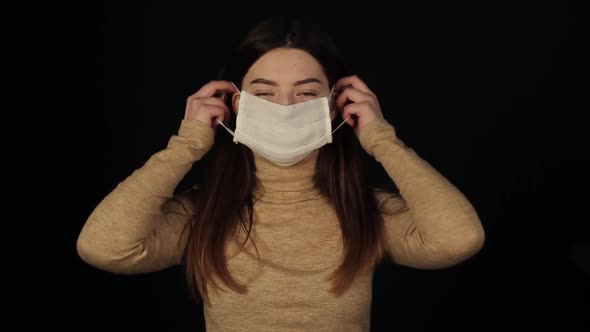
(283, 134)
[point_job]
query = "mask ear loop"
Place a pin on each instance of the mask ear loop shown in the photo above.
(221, 122)
(340, 125)
(330, 103)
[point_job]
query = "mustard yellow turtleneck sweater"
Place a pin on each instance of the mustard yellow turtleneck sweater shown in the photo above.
(136, 229)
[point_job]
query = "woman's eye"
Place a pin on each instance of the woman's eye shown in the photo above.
(263, 94)
(308, 94)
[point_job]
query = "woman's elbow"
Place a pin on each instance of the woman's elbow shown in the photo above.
(475, 240)
(469, 244)
(89, 251)
(103, 256)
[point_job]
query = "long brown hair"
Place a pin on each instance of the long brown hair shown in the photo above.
(225, 198)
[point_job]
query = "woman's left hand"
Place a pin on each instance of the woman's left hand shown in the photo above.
(354, 99)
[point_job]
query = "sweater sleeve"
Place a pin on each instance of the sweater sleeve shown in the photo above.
(440, 227)
(137, 227)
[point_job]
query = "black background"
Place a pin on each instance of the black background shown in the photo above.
(491, 94)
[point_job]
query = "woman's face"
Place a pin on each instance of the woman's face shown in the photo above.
(285, 76)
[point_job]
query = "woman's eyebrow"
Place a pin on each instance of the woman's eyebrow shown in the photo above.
(269, 82)
(264, 81)
(307, 80)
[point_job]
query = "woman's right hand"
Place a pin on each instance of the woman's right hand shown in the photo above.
(203, 106)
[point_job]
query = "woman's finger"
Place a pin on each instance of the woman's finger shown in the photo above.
(353, 95)
(209, 100)
(212, 101)
(223, 106)
(355, 111)
(214, 112)
(353, 81)
(213, 87)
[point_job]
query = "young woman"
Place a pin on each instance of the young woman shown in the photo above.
(283, 233)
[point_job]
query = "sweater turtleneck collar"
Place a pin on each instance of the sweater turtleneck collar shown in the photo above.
(287, 184)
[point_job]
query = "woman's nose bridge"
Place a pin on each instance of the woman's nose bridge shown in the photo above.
(286, 97)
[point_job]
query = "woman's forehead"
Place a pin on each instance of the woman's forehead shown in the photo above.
(285, 66)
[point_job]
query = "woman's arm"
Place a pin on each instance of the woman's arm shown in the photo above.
(441, 227)
(137, 227)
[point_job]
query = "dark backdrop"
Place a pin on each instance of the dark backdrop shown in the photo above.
(490, 94)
